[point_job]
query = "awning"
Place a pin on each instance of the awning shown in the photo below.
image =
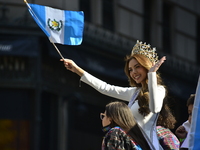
(19, 45)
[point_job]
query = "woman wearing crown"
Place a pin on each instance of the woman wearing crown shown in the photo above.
(146, 94)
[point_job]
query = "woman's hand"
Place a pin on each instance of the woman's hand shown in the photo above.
(156, 66)
(71, 65)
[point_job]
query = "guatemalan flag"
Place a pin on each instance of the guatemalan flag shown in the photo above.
(194, 135)
(61, 26)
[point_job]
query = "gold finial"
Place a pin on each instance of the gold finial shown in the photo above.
(143, 49)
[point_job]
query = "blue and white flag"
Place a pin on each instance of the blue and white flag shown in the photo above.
(194, 135)
(61, 26)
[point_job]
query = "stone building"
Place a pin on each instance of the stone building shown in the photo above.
(42, 106)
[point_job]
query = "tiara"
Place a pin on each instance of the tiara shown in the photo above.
(143, 49)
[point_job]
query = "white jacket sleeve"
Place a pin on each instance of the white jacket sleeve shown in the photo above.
(122, 93)
(156, 93)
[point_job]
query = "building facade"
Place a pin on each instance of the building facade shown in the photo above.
(44, 106)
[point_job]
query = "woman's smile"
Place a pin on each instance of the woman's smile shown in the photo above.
(137, 71)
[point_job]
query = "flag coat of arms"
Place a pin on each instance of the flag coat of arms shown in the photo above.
(61, 26)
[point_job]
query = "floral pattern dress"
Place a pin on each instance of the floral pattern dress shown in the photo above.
(117, 139)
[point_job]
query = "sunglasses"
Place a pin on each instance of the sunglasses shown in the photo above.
(102, 115)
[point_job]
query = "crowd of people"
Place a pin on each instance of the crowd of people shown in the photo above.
(146, 122)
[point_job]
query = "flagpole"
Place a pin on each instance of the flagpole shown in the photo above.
(41, 26)
(31, 10)
(57, 50)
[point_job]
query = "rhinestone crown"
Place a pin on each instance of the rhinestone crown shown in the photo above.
(143, 49)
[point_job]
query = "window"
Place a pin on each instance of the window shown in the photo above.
(15, 119)
(108, 15)
(85, 5)
(14, 134)
(166, 28)
(147, 20)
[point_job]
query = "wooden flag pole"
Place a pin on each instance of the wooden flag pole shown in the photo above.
(57, 50)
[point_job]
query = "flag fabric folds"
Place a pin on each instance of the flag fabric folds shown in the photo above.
(61, 26)
(194, 135)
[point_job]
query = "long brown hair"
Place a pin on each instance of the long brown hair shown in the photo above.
(166, 118)
(121, 115)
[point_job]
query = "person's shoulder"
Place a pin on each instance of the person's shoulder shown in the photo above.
(116, 133)
(119, 133)
(116, 130)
